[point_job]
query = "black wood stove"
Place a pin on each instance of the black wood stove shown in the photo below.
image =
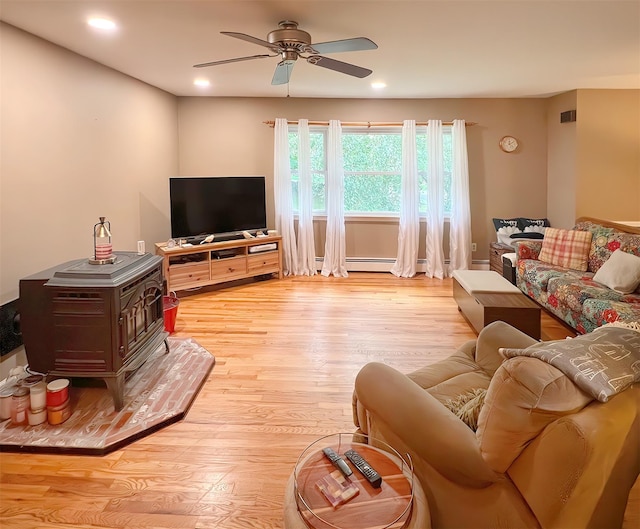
(94, 321)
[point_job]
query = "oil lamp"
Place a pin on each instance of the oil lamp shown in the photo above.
(102, 248)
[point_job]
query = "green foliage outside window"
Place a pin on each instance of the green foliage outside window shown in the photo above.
(373, 171)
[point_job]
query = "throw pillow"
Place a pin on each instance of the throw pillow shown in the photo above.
(524, 223)
(505, 233)
(602, 363)
(505, 223)
(535, 229)
(528, 235)
(621, 272)
(566, 248)
(467, 406)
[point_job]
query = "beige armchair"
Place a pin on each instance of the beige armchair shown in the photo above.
(545, 454)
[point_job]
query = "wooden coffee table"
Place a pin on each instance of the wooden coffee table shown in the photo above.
(388, 506)
(485, 296)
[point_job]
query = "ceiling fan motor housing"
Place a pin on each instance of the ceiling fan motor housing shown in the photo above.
(289, 36)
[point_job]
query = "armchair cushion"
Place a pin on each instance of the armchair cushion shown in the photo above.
(525, 395)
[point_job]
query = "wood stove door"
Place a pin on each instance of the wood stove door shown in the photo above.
(140, 318)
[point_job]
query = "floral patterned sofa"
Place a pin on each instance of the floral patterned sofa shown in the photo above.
(573, 295)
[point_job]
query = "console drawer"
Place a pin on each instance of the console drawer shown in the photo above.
(188, 274)
(265, 263)
(228, 269)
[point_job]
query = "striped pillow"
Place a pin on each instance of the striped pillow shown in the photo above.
(566, 248)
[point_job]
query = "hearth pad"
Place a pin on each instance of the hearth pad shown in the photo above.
(159, 393)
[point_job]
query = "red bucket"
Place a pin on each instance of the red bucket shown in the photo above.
(170, 306)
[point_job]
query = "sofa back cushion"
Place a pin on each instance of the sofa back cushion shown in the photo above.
(605, 241)
(525, 395)
(566, 248)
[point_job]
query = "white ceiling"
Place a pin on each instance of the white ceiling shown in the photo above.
(427, 49)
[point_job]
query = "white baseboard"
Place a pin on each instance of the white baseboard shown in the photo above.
(384, 264)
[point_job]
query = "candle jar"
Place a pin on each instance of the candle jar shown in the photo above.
(38, 396)
(6, 394)
(57, 392)
(19, 405)
(36, 417)
(59, 414)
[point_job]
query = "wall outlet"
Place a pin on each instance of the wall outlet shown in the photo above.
(474, 246)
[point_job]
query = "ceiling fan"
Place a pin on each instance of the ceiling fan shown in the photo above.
(290, 43)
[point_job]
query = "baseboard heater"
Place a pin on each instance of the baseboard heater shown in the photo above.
(384, 264)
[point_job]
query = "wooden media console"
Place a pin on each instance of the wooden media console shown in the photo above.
(192, 266)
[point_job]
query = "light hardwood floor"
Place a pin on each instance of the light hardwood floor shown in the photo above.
(287, 353)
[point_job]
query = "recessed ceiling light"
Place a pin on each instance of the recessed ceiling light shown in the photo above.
(378, 85)
(102, 23)
(201, 82)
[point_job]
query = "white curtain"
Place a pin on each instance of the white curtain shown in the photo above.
(460, 221)
(409, 232)
(435, 210)
(306, 244)
(335, 261)
(283, 197)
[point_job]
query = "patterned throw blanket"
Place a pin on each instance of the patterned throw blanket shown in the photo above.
(602, 363)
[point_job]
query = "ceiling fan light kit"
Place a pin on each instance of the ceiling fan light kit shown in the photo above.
(290, 43)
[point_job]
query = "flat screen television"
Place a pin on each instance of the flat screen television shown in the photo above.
(218, 205)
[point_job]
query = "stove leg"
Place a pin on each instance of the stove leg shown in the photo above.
(116, 388)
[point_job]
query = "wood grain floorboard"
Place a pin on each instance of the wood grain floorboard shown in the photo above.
(287, 353)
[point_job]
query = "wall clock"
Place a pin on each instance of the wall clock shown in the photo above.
(508, 144)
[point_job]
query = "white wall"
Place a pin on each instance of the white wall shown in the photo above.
(78, 140)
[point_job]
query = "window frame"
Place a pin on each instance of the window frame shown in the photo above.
(421, 132)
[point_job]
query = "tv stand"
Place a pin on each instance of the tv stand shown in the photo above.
(218, 262)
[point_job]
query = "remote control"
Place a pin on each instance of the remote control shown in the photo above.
(337, 461)
(365, 468)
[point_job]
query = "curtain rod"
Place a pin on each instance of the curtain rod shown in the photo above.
(368, 124)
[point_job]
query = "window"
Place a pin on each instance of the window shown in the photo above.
(318, 142)
(372, 169)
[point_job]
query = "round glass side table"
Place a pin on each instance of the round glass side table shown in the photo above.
(387, 507)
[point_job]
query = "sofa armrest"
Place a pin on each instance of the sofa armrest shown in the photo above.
(429, 430)
(527, 249)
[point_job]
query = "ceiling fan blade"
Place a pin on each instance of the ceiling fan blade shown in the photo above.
(339, 66)
(227, 61)
(283, 72)
(335, 46)
(254, 40)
